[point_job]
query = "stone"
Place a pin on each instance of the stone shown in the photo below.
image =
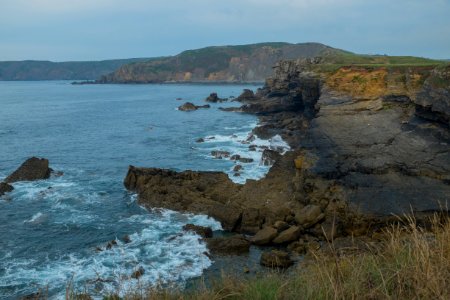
(5, 188)
(245, 160)
(309, 215)
(200, 140)
(204, 232)
(32, 169)
(188, 106)
(126, 239)
(235, 157)
(276, 259)
(214, 98)
(233, 245)
(280, 225)
(264, 236)
(247, 95)
(220, 154)
(237, 168)
(138, 273)
(289, 235)
(298, 247)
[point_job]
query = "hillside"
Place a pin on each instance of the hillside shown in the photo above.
(244, 63)
(47, 70)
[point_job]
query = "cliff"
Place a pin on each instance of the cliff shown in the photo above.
(47, 70)
(244, 63)
(369, 142)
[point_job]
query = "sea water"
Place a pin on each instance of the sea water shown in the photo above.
(54, 233)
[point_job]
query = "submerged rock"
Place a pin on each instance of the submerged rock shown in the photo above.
(205, 232)
(5, 188)
(138, 273)
(276, 259)
(233, 245)
(220, 154)
(32, 169)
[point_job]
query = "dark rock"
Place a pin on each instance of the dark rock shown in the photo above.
(5, 188)
(200, 140)
(188, 106)
(309, 215)
(233, 245)
(280, 226)
(138, 273)
(32, 169)
(203, 106)
(269, 157)
(298, 247)
(237, 168)
(245, 160)
(237, 174)
(252, 148)
(214, 98)
(220, 154)
(126, 239)
(276, 259)
(205, 232)
(179, 98)
(246, 96)
(289, 235)
(235, 157)
(264, 236)
(34, 296)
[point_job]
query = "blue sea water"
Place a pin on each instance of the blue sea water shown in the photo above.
(50, 230)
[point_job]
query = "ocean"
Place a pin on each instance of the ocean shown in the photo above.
(54, 233)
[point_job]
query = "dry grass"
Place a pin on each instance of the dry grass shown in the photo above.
(408, 263)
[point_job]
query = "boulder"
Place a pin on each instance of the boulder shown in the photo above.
(276, 259)
(32, 169)
(235, 157)
(237, 168)
(289, 235)
(280, 226)
(200, 140)
(5, 188)
(309, 215)
(220, 154)
(205, 232)
(233, 245)
(264, 236)
(138, 273)
(269, 157)
(126, 239)
(245, 160)
(214, 98)
(188, 106)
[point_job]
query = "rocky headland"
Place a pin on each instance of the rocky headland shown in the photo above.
(369, 144)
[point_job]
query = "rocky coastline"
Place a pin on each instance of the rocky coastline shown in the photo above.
(366, 149)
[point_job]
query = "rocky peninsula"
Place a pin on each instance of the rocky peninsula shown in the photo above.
(369, 144)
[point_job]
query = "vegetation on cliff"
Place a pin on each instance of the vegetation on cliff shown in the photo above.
(243, 63)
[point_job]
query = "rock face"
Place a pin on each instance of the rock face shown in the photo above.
(247, 96)
(32, 169)
(366, 143)
(5, 188)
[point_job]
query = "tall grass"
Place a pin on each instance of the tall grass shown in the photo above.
(408, 262)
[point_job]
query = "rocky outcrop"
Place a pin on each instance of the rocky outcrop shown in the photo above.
(366, 144)
(205, 232)
(32, 169)
(5, 188)
(188, 106)
(214, 98)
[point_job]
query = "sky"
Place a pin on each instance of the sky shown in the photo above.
(67, 30)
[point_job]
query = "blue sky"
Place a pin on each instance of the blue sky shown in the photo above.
(62, 30)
